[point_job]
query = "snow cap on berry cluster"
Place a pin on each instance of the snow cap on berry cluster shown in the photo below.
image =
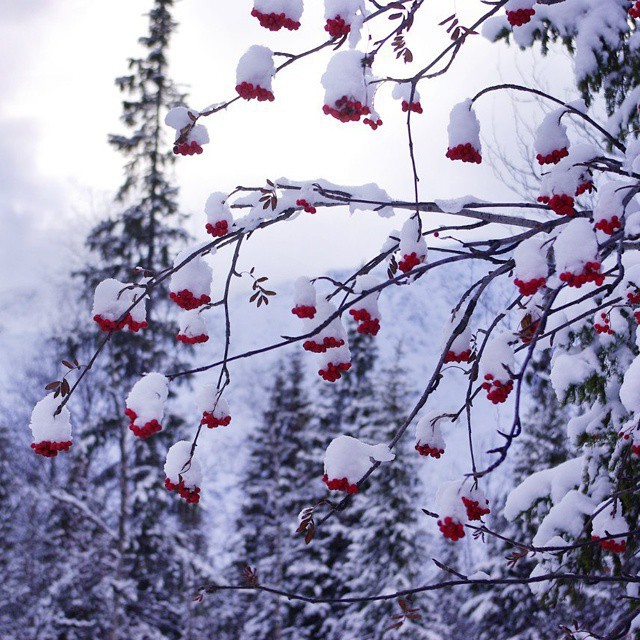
(412, 242)
(551, 142)
(147, 397)
(449, 501)
(609, 210)
(304, 293)
(349, 458)
(177, 467)
(531, 267)
(218, 213)
(429, 438)
(48, 427)
(180, 117)
(292, 9)
(608, 521)
(575, 246)
(498, 358)
(209, 400)
(256, 67)
(464, 127)
(345, 16)
(112, 299)
(193, 326)
(347, 76)
(195, 276)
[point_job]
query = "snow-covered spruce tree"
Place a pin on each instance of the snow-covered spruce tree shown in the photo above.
(583, 302)
(280, 479)
(389, 547)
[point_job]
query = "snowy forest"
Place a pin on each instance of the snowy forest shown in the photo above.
(270, 374)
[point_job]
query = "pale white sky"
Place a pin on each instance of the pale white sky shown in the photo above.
(58, 61)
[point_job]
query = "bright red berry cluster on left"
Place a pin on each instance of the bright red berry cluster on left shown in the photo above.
(497, 391)
(634, 11)
(248, 91)
(475, 510)
(451, 529)
(609, 226)
(187, 148)
(408, 262)
(111, 325)
(181, 337)
(520, 16)
(366, 324)
(554, 157)
(275, 21)
(306, 206)
(304, 311)
(50, 449)
(591, 273)
(611, 545)
(562, 204)
(465, 152)
(337, 27)
(219, 229)
(186, 300)
(328, 342)
(530, 287)
(341, 484)
(426, 450)
(333, 372)
(145, 431)
(190, 496)
(416, 107)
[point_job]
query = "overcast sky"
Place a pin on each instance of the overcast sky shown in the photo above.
(58, 61)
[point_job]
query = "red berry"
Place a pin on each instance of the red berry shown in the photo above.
(337, 27)
(465, 152)
(520, 16)
(341, 484)
(451, 529)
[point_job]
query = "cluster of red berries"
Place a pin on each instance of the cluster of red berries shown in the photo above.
(409, 261)
(248, 91)
(112, 325)
(530, 287)
(341, 484)
(554, 157)
(212, 422)
(306, 206)
(146, 430)
(187, 148)
(604, 325)
(426, 450)
(611, 545)
(219, 229)
(374, 124)
(634, 11)
(347, 110)
(634, 297)
(337, 27)
(609, 226)
(275, 21)
(50, 449)
(583, 187)
(304, 311)
(562, 204)
(190, 496)
(416, 107)
(452, 356)
(321, 347)
(333, 372)
(520, 16)
(465, 152)
(451, 529)
(366, 324)
(497, 391)
(591, 273)
(186, 300)
(474, 510)
(181, 337)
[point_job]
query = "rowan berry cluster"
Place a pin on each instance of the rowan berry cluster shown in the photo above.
(554, 157)
(113, 325)
(50, 449)
(584, 187)
(562, 204)
(409, 261)
(634, 11)
(520, 16)
(146, 430)
(347, 110)
(617, 546)
(186, 300)
(530, 287)
(333, 371)
(465, 152)
(416, 107)
(475, 510)
(181, 337)
(452, 356)
(275, 21)
(374, 124)
(306, 206)
(212, 422)
(366, 324)
(591, 273)
(190, 496)
(341, 484)
(426, 450)
(187, 148)
(329, 342)
(337, 27)
(304, 311)
(497, 391)
(609, 226)
(248, 91)
(451, 529)
(604, 324)
(219, 229)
